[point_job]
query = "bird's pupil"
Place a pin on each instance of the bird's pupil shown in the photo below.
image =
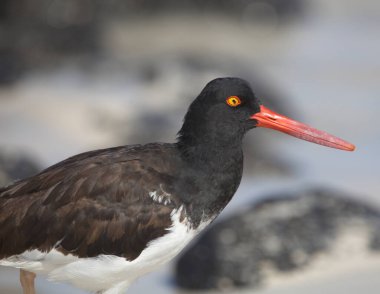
(233, 101)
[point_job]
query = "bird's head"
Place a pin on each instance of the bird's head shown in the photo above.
(227, 108)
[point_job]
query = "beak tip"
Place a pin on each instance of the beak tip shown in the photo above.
(352, 148)
(347, 146)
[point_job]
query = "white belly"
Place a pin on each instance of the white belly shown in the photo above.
(107, 272)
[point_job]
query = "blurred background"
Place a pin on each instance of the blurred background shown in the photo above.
(88, 74)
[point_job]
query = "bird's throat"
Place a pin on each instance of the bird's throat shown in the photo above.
(214, 156)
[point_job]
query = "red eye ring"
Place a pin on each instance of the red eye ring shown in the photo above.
(233, 101)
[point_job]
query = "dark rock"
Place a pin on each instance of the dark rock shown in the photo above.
(14, 166)
(45, 34)
(232, 9)
(42, 34)
(284, 231)
(11, 66)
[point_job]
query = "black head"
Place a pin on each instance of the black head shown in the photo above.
(227, 108)
(221, 113)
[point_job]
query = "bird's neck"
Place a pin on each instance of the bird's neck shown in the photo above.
(213, 151)
(208, 143)
(215, 169)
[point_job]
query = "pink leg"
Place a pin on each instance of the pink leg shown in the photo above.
(27, 282)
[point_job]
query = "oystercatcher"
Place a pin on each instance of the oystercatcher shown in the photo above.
(101, 219)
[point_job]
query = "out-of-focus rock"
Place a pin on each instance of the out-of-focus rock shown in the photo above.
(42, 34)
(11, 66)
(279, 235)
(16, 166)
(45, 34)
(259, 9)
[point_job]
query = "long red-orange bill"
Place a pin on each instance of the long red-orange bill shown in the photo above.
(267, 118)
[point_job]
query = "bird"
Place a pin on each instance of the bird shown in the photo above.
(101, 219)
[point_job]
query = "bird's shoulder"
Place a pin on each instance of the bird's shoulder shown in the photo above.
(124, 168)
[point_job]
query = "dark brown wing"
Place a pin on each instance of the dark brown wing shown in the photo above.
(93, 203)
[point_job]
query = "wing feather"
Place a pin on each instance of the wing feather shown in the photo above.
(94, 203)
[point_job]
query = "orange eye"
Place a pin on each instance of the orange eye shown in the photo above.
(233, 101)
